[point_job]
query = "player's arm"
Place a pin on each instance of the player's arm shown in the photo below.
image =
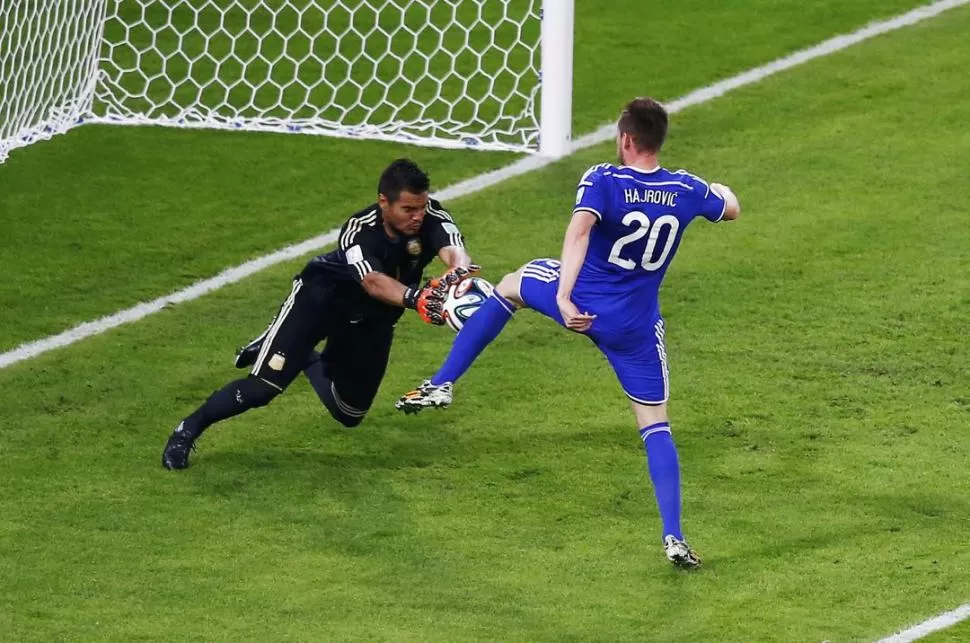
(574, 247)
(732, 207)
(714, 201)
(591, 203)
(448, 242)
(384, 289)
(427, 301)
(454, 257)
(365, 267)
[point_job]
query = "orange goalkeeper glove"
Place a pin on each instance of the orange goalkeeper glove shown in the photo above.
(453, 276)
(428, 301)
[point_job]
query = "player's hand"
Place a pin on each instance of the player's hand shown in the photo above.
(428, 302)
(453, 276)
(575, 320)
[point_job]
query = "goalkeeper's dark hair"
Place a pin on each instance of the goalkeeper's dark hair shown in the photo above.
(645, 120)
(403, 175)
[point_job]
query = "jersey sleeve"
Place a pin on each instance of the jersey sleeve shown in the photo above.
(592, 192)
(359, 249)
(709, 204)
(442, 230)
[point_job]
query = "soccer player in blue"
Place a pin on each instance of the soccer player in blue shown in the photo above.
(625, 229)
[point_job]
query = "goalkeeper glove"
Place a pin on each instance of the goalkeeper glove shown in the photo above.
(428, 302)
(453, 276)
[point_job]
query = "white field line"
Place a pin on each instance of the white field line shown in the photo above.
(470, 186)
(935, 624)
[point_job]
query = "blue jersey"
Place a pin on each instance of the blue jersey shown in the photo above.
(642, 217)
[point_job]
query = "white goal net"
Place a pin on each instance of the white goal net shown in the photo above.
(453, 73)
(48, 61)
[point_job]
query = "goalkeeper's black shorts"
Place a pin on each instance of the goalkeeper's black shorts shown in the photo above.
(355, 355)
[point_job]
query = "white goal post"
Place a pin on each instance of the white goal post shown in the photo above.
(485, 74)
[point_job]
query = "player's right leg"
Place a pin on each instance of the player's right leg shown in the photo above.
(478, 332)
(347, 375)
(284, 352)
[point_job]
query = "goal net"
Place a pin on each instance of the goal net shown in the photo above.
(452, 73)
(48, 61)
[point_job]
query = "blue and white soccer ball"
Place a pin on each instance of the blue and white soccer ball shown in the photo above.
(464, 298)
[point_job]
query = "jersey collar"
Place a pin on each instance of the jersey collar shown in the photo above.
(636, 169)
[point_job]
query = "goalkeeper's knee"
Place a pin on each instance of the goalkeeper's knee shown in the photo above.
(253, 392)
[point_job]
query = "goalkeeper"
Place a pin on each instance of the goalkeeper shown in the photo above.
(351, 297)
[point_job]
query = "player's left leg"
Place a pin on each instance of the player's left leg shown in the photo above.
(640, 364)
(478, 332)
(294, 332)
(664, 467)
(349, 371)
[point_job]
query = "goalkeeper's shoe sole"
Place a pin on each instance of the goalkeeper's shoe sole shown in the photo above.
(177, 449)
(680, 554)
(425, 396)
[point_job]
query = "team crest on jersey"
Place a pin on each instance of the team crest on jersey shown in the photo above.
(414, 247)
(276, 362)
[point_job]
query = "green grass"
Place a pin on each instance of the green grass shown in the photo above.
(819, 369)
(108, 217)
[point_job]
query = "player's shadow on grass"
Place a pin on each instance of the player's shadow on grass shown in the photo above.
(292, 463)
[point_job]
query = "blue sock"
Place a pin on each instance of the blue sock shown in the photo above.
(477, 333)
(665, 474)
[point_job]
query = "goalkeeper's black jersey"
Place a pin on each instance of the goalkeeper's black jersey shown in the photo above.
(363, 247)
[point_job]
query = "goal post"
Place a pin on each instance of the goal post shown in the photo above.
(555, 134)
(483, 74)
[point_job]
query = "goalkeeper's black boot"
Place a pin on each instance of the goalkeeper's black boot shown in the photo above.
(246, 356)
(176, 453)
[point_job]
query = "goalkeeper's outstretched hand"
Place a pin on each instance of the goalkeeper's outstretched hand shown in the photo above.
(453, 276)
(429, 300)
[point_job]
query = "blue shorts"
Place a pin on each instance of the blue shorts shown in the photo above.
(638, 355)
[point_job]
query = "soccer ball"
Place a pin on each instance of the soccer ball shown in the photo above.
(464, 298)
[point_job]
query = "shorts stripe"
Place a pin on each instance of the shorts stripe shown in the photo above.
(662, 354)
(275, 326)
(646, 402)
(541, 273)
(343, 406)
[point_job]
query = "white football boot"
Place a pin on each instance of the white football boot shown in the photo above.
(680, 554)
(426, 395)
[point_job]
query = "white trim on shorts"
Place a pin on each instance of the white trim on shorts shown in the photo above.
(275, 326)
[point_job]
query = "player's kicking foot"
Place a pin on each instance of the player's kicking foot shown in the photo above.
(246, 356)
(680, 554)
(176, 453)
(426, 395)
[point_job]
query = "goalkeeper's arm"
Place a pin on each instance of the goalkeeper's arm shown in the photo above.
(384, 289)
(426, 301)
